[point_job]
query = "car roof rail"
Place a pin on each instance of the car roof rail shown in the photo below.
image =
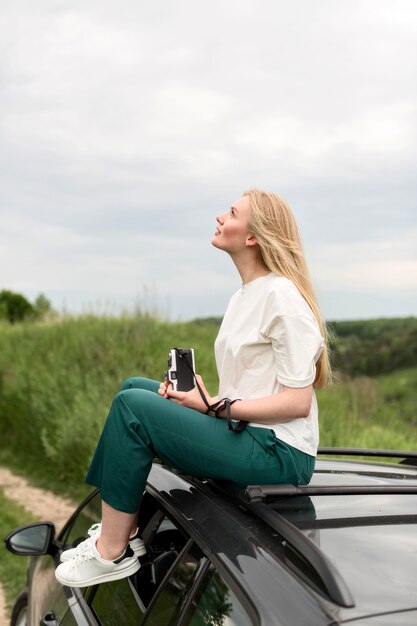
(407, 456)
(258, 493)
(335, 587)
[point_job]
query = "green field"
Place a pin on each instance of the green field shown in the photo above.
(365, 412)
(57, 381)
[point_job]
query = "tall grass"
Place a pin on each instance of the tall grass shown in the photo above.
(367, 412)
(57, 382)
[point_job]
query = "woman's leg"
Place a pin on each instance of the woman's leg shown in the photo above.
(116, 528)
(106, 558)
(142, 425)
(134, 382)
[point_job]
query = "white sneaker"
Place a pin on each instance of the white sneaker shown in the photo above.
(136, 543)
(89, 568)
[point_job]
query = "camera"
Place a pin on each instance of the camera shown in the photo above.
(181, 369)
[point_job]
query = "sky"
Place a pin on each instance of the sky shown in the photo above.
(126, 127)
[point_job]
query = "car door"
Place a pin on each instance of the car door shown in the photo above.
(128, 601)
(176, 584)
(47, 598)
(49, 602)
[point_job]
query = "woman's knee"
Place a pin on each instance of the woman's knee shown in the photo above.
(128, 417)
(135, 402)
(137, 382)
(129, 383)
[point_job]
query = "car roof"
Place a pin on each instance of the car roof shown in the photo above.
(314, 557)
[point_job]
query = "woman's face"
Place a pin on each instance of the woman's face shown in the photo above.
(232, 231)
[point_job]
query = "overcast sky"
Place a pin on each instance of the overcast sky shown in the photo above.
(127, 126)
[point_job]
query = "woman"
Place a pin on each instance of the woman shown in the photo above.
(270, 352)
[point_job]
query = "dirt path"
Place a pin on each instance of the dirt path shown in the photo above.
(42, 504)
(4, 620)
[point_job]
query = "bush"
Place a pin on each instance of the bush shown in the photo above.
(42, 307)
(14, 307)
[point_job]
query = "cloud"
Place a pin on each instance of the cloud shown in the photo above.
(127, 129)
(369, 265)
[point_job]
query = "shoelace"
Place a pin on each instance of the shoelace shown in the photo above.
(83, 546)
(85, 554)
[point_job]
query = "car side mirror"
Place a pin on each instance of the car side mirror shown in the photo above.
(32, 539)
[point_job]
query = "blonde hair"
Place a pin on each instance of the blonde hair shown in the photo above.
(274, 227)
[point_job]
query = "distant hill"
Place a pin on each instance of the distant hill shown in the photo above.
(373, 347)
(367, 347)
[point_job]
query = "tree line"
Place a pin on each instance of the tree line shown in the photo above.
(373, 347)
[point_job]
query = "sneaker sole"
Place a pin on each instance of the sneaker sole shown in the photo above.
(129, 570)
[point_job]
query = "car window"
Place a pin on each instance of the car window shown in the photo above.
(176, 587)
(158, 592)
(116, 603)
(90, 514)
(164, 542)
(215, 605)
(126, 601)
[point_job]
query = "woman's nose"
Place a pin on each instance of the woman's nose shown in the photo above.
(220, 219)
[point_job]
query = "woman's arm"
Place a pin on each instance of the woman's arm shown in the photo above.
(289, 404)
(285, 406)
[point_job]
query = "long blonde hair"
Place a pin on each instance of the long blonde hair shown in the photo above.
(275, 229)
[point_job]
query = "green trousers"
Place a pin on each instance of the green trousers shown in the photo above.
(142, 425)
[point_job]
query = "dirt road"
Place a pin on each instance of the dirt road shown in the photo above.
(42, 504)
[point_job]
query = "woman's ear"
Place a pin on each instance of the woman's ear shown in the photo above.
(251, 241)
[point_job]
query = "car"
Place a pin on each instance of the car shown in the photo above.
(341, 550)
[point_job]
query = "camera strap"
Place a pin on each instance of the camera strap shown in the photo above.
(221, 405)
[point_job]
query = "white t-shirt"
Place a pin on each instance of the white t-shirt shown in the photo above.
(269, 337)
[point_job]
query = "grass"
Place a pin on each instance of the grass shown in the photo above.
(57, 381)
(12, 568)
(366, 412)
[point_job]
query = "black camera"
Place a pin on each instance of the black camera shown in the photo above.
(181, 369)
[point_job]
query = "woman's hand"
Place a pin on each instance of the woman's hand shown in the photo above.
(163, 388)
(191, 399)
